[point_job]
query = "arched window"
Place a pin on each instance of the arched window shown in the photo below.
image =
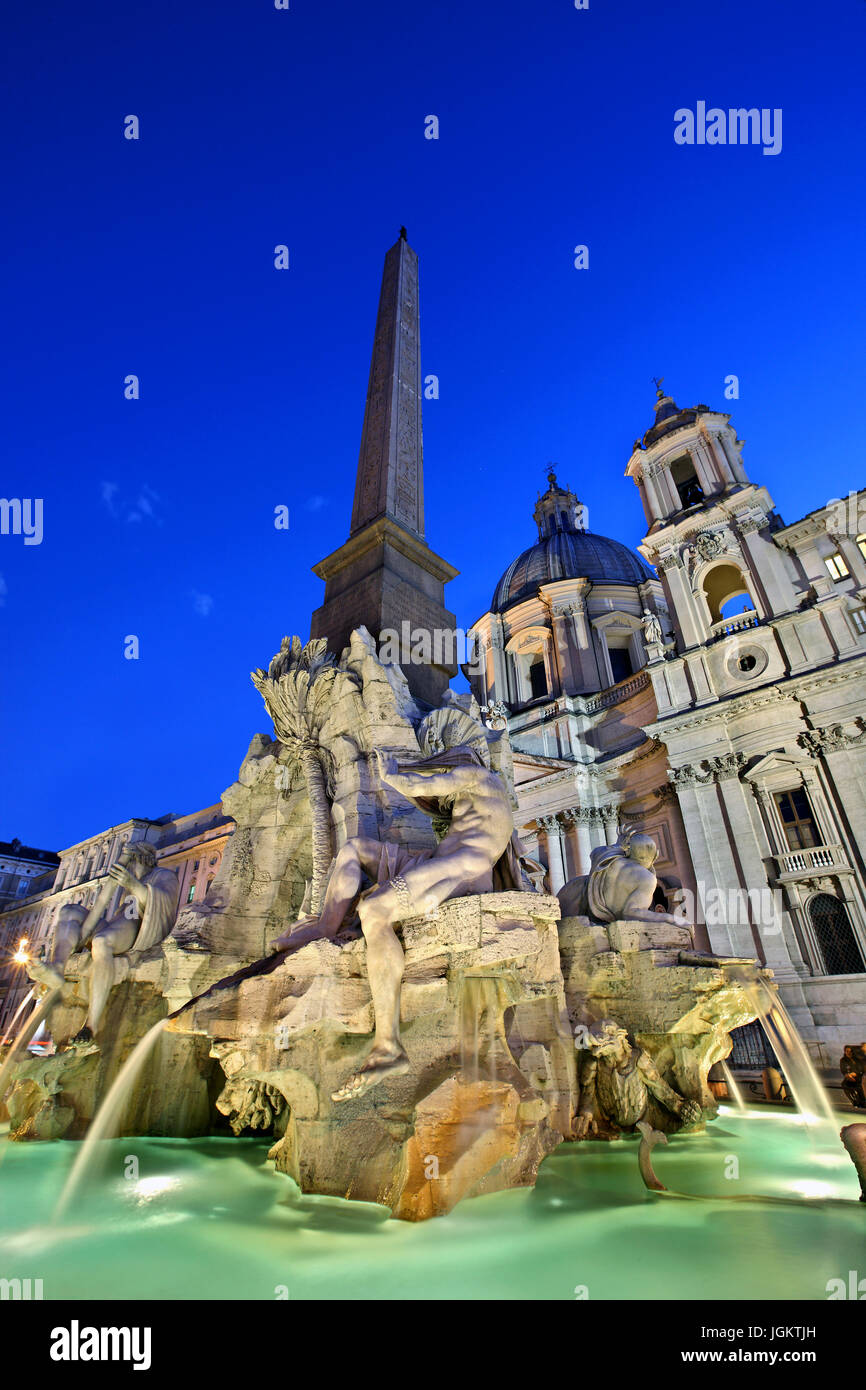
(725, 591)
(191, 894)
(686, 482)
(835, 936)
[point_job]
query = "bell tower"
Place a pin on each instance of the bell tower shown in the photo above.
(709, 528)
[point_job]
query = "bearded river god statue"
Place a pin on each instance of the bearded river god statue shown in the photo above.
(144, 922)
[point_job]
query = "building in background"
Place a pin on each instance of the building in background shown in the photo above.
(711, 689)
(21, 868)
(191, 845)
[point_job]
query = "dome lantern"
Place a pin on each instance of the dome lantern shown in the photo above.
(558, 509)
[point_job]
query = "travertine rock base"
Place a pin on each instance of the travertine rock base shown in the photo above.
(491, 1089)
(681, 1014)
(57, 1097)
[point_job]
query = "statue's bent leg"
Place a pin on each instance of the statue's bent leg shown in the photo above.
(109, 941)
(356, 857)
(420, 890)
(67, 939)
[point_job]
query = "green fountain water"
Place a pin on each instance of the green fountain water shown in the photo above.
(209, 1219)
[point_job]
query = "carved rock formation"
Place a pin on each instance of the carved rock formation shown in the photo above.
(482, 990)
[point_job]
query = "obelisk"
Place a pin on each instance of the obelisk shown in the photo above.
(385, 576)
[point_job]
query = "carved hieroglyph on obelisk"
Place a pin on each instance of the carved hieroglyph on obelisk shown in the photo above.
(385, 576)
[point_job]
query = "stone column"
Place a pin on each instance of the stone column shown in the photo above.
(767, 567)
(711, 858)
(703, 460)
(610, 816)
(682, 603)
(555, 860)
(658, 510)
(723, 463)
(560, 618)
(578, 818)
(499, 689)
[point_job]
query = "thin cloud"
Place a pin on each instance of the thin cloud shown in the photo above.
(109, 491)
(202, 603)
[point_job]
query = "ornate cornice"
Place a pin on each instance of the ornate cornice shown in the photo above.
(833, 739)
(718, 769)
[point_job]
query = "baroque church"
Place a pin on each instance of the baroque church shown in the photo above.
(708, 689)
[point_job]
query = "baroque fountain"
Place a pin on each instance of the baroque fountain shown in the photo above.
(377, 981)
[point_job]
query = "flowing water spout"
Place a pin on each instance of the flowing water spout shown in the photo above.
(10, 1034)
(41, 1012)
(483, 1001)
(803, 1081)
(734, 1091)
(108, 1116)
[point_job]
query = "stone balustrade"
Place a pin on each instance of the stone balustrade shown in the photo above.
(728, 626)
(805, 863)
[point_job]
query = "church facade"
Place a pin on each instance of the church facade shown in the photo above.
(710, 689)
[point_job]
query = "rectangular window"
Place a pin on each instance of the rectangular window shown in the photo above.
(837, 567)
(620, 663)
(858, 618)
(537, 679)
(861, 545)
(798, 822)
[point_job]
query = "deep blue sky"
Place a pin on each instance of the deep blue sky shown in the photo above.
(260, 126)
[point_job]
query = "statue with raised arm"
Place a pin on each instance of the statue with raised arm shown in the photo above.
(617, 1079)
(477, 852)
(620, 884)
(145, 921)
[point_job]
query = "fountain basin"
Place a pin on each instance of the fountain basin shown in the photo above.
(208, 1219)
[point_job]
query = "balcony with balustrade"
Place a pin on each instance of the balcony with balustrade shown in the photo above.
(813, 862)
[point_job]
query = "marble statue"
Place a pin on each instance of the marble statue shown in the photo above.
(617, 1079)
(477, 853)
(155, 893)
(620, 884)
(652, 628)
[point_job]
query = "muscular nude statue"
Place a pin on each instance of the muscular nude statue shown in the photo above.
(620, 884)
(155, 893)
(477, 847)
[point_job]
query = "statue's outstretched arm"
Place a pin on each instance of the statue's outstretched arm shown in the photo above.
(414, 784)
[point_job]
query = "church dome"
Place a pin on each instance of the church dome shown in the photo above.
(569, 554)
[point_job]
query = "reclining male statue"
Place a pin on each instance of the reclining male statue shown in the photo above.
(478, 852)
(620, 884)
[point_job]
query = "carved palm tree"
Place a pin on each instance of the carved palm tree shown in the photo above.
(298, 690)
